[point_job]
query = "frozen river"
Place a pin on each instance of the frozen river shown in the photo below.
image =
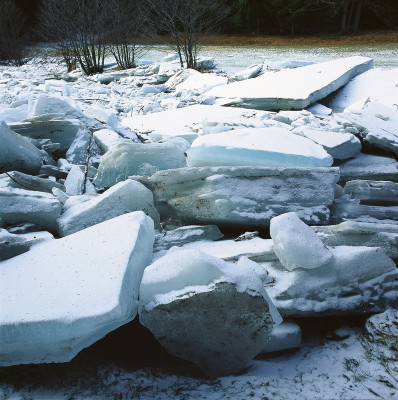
(231, 59)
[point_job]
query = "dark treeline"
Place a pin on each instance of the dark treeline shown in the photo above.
(290, 17)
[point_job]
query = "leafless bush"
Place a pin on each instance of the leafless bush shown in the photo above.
(11, 24)
(186, 21)
(80, 28)
(127, 24)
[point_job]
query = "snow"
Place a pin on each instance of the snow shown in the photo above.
(66, 294)
(296, 244)
(295, 88)
(323, 369)
(266, 147)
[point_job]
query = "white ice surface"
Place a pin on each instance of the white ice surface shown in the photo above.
(266, 147)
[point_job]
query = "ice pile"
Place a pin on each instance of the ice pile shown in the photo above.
(312, 280)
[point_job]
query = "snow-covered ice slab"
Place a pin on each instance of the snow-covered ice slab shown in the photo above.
(265, 147)
(207, 311)
(127, 159)
(377, 124)
(369, 167)
(64, 295)
(378, 84)
(242, 196)
(339, 145)
(20, 205)
(352, 233)
(17, 153)
(187, 122)
(62, 132)
(354, 280)
(295, 88)
(121, 198)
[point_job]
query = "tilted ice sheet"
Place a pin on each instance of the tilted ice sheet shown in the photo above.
(295, 88)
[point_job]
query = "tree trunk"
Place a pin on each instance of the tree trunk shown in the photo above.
(358, 15)
(343, 27)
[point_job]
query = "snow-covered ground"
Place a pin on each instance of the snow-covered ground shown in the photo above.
(339, 357)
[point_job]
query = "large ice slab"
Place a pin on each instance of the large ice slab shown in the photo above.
(66, 294)
(127, 159)
(187, 122)
(120, 199)
(207, 311)
(62, 132)
(20, 205)
(266, 147)
(352, 233)
(243, 196)
(17, 153)
(295, 88)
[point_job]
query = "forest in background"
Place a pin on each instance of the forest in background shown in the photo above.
(285, 17)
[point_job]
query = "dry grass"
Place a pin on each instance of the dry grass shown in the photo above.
(371, 37)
